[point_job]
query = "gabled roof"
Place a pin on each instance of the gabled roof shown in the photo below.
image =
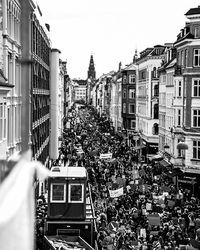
(167, 64)
(130, 67)
(193, 11)
(187, 36)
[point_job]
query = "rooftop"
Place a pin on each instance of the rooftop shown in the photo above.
(193, 11)
(70, 172)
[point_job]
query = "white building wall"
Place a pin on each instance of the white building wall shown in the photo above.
(12, 71)
(54, 93)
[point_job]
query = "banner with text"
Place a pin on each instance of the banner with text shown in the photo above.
(116, 193)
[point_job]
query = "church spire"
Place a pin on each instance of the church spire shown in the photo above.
(135, 57)
(91, 69)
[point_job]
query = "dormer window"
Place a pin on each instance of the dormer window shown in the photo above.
(132, 79)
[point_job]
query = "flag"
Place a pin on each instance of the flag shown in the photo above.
(17, 204)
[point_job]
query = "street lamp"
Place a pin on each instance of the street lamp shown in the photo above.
(181, 146)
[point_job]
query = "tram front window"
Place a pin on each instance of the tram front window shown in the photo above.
(75, 193)
(58, 192)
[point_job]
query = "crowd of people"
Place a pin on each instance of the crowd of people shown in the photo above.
(137, 205)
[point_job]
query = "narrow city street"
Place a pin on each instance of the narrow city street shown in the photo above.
(137, 206)
(99, 125)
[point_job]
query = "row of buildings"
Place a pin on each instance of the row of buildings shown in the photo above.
(34, 84)
(155, 100)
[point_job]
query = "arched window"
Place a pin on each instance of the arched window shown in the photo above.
(155, 129)
(155, 111)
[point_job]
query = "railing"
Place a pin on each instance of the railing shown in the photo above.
(94, 217)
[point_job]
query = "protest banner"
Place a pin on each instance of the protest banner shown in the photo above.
(116, 193)
(106, 156)
(153, 219)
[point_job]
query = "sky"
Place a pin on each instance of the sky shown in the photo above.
(110, 30)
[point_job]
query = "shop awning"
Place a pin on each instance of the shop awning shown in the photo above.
(177, 172)
(164, 163)
(192, 171)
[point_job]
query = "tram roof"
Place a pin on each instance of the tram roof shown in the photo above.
(76, 172)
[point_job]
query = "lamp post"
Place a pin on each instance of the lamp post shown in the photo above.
(181, 146)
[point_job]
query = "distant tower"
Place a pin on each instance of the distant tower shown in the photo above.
(135, 57)
(91, 69)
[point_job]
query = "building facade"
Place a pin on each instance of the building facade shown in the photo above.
(147, 95)
(187, 86)
(5, 86)
(11, 67)
(129, 97)
(80, 90)
(167, 106)
(39, 75)
(116, 101)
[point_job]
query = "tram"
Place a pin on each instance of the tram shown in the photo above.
(70, 209)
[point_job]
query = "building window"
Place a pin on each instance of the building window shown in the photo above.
(155, 129)
(155, 111)
(196, 149)
(197, 57)
(196, 118)
(10, 68)
(131, 108)
(179, 89)
(1, 121)
(156, 90)
(124, 79)
(58, 192)
(75, 193)
(196, 32)
(179, 118)
(132, 79)
(196, 88)
(124, 93)
(124, 107)
(180, 151)
(4, 121)
(131, 93)
(186, 56)
(9, 127)
(182, 58)
(132, 124)
(154, 72)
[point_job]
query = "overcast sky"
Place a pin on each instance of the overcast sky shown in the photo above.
(110, 29)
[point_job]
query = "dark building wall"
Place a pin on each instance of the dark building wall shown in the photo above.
(40, 92)
(26, 61)
(126, 87)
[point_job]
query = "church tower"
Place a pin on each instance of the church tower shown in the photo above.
(91, 69)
